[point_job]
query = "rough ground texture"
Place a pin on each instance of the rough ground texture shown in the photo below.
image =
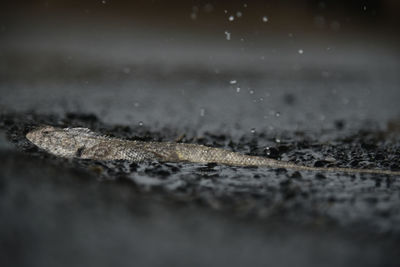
(186, 213)
(329, 99)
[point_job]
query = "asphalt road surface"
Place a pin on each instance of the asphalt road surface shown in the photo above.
(331, 101)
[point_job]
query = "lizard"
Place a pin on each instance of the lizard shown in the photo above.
(86, 144)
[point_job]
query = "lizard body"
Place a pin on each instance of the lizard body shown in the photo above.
(85, 144)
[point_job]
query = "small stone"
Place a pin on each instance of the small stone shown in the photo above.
(296, 175)
(339, 124)
(321, 163)
(289, 99)
(281, 171)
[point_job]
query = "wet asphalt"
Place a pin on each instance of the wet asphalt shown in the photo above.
(335, 107)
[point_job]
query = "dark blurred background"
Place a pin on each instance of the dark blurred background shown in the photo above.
(275, 64)
(209, 17)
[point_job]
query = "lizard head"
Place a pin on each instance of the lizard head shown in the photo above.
(63, 142)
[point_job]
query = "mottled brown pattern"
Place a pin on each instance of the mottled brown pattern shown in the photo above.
(83, 143)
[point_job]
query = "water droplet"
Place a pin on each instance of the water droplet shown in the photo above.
(233, 82)
(251, 92)
(227, 35)
(239, 14)
(136, 104)
(265, 19)
(277, 114)
(253, 130)
(140, 123)
(301, 51)
(277, 140)
(193, 16)
(238, 90)
(231, 18)
(202, 112)
(104, 1)
(244, 5)
(365, 8)
(225, 11)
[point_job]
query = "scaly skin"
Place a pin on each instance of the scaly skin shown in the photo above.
(82, 143)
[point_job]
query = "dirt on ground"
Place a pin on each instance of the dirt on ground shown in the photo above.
(88, 206)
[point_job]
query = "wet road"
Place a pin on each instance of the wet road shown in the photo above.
(335, 102)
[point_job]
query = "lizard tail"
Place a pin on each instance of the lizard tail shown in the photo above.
(260, 161)
(282, 164)
(345, 170)
(204, 154)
